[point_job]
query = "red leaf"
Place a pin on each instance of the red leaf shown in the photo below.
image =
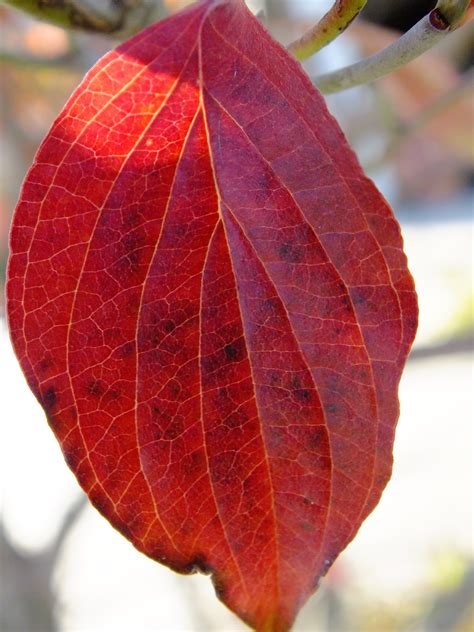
(212, 304)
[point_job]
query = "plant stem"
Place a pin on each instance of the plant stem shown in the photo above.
(115, 17)
(424, 35)
(331, 25)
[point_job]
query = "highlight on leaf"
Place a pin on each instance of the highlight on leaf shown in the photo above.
(212, 304)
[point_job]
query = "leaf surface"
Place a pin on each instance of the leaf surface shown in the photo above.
(212, 304)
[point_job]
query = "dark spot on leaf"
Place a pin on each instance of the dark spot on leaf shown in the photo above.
(50, 398)
(198, 565)
(134, 258)
(274, 379)
(290, 253)
(126, 350)
(235, 420)
(277, 438)
(295, 382)
(174, 389)
(45, 364)
(132, 241)
(235, 352)
(169, 326)
(175, 428)
(111, 395)
(331, 408)
(194, 463)
(302, 395)
(230, 352)
(96, 388)
(132, 219)
(315, 437)
(178, 231)
(71, 458)
(359, 299)
(272, 306)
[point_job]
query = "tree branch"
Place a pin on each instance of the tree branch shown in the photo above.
(461, 344)
(424, 35)
(67, 524)
(331, 25)
(400, 131)
(115, 17)
(64, 62)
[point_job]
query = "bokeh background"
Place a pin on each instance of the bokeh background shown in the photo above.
(411, 566)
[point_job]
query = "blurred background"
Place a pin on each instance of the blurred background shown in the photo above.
(411, 566)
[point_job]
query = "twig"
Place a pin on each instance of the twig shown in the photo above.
(439, 105)
(331, 25)
(67, 523)
(28, 600)
(461, 344)
(65, 62)
(451, 607)
(403, 130)
(114, 17)
(424, 35)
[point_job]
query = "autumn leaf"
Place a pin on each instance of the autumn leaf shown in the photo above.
(213, 306)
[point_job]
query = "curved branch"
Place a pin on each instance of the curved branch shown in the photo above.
(67, 524)
(114, 17)
(460, 344)
(402, 131)
(432, 29)
(331, 25)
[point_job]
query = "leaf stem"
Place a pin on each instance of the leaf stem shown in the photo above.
(331, 25)
(424, 35)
